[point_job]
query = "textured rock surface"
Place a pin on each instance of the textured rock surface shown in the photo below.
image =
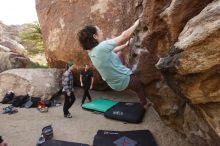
(9, 38)
(197, 129)
(10, 60)
(194, 73)
(198, 69)
(12, 45)
(200, 41)
(178, 13)
(211, 113)
(11, 52)
(189, 82)
(35, 82)
(4, 49)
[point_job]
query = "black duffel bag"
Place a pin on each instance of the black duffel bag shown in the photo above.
(19, 101)
(8, 97)
(47, 132)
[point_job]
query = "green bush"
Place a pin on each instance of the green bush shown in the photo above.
(31, 38)
(35, 65)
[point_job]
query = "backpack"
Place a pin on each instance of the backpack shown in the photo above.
(19, 101)
(32, 102)
(47, 132)
(35, 101)
(8, 97)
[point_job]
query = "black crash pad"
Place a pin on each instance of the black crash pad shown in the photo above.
(61, 143)
(124, 138)
(126, 111)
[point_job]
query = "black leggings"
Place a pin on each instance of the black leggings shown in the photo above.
(69, 100)
(86, 93)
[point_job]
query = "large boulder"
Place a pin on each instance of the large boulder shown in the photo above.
(197, 65)
(179, 13)
(200, 41)
(192, 71)
(60, 21)
(10, 60)
(12, 45)
(10, 31)
(11, 52)
(4, 49)
(35, 82)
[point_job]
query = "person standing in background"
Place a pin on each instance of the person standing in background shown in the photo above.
(68, 90)
(86, 81)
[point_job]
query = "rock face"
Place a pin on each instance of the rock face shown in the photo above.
(9, 38)
(35, 82)
(184, 34)
(11, 52)
(194, 73)
(67, 16)
(10, 60)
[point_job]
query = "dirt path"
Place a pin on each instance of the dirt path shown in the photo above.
(24, 127)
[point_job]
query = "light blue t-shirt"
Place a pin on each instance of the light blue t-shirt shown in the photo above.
(110, 66)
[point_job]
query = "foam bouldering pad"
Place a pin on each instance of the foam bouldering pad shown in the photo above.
(100, 105)
(61, 143)
(124, 138)
(126, 111)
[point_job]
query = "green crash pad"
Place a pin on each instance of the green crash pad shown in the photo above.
(101, 105)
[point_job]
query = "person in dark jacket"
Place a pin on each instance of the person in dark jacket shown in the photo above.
(86, 81)
(68, 90)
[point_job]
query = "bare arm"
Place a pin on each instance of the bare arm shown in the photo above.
(126, 34)
(81, 83)
(92, 83)
(119, 48)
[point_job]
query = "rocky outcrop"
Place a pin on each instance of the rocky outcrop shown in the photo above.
(162, 23)
(12, 45)
(178, 13)
(35, 82)
(10, 60)
(11, 52)
(4, 49)
(193, 73)
(197, 66)
(185, 34)
(60, 21)
(200, 37)
(10, 31)
(9, 38)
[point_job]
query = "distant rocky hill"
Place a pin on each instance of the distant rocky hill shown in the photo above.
(11, 51)
(9, 37)
(10, 31)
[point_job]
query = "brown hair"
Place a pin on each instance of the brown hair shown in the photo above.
(85, 37)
